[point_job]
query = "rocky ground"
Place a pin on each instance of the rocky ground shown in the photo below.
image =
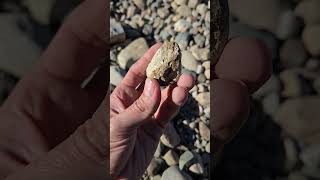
(281, 139)
(183, 152)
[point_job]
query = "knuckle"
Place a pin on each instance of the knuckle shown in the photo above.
(140, 105)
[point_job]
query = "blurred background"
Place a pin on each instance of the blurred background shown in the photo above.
(281, 139)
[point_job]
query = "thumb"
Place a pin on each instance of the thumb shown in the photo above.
(143, 108)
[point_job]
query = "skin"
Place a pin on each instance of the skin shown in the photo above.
(52, 128)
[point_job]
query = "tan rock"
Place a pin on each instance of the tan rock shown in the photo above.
(165, 65)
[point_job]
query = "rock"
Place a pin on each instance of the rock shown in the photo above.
(312, 64)
(201, 54)
(132, 52)
(13, 39)
(196, 168)
(187, 159)
(288, 25)
(271, 103)
(204, 131)
(184, 11)
(273, 85)
(309, 11)
(165, 65)
(140, 3)
(163, 12)
(180, 2)
(203, 99)
(201, 78)
(115, 75)
(291, 154)
(182, 25)
(40, 10)
(202, 9)
(208, 148)
(292, 84)
(292, 53)
(192, 3)
(199, 40)
(147, 29)
(300, 118)
(156, 166)
(170, 137)
(171, 158)
(117, 34)
(297, 176)
(173, 172)
(131, 11)
(310, 156)
(183, 39)
(263, 14)
(157, 177)
(188, 61)
(207, 74)
(311, 39)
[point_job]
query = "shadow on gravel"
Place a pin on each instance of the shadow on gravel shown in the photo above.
(256, 153)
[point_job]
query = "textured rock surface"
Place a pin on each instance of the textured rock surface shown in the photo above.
(166, 64)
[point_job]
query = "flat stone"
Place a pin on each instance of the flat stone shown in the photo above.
(171, 158)
(165, 65)
(132, 52)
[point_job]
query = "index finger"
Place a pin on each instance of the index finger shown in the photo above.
(137, 72)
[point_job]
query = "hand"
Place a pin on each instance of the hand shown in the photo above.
(50, 127)
(244, 66)
(138, 117)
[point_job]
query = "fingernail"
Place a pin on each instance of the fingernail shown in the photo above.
(149, 88)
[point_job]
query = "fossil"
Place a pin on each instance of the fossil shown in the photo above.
(165, 65)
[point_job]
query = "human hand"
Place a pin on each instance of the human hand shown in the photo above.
(50, 127)
(244, 66)
(138, 117)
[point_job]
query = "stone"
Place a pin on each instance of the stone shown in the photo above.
(299, 117)
(175, 173)
(40, 10)
(204, 131)
(291, 154)
(271, 103)
(193, 3)
(165, 65)
(157, 177)
(311, 39)
(196, 168)
(180, 2)
(183, 39)
(117, 34)
(187, 159)
(182, 25)
(292, 83)
(171, 158)
(188, 61)
(170, 137)
(203, 99)
(208, 148)
(115, 75)
(184, 11)
(140, 3)
(199, 40)
(132, 52)
(297, 176)
(292, 53)
(310, 156)
(263, 14)
(288, 25)
(207, 73)
(13, 39)
(202, 9)
(156, 166)
(201, 54)
(273, 85)
(309, 11)
(163, 12)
